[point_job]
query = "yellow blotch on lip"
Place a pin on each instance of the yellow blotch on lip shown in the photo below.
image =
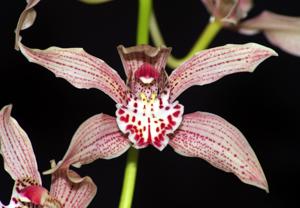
(145, 99)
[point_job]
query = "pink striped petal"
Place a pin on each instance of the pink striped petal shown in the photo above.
(71, 194)
(79, 68)
(230, 11)
(134, 57)
(213, 139)
(16, 149)
(26, 20)
(210, 65)
(98, 137)
(282, 31)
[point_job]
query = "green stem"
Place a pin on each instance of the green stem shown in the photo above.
(145, 7)
(203, 41)
(127, 194)
(129, 179)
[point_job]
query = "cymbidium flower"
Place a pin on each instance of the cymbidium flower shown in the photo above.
(147, 113)
(282, 31)
(20, 163)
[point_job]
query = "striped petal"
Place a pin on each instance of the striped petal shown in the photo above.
(16, 149)
(282, 31)
(98, 137)
(81, 69)
(71, 194)
(26, 20)
(210, 65)
(213, 139)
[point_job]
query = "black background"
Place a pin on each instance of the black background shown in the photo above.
(263, 105)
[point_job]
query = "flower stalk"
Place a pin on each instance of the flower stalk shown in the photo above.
(127, 193)
(205, 38)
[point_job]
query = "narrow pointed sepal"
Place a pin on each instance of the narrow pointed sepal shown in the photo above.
(98, 137)
(213, 139)
(79, 68)
(16, 149)
(212, 64)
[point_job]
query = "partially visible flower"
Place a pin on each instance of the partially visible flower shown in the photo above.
(282, 31)
(228, 11)
(20, 163)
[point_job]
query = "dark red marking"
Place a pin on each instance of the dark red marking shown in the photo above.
(120, 111)
(170, 120)
(177, 106)
(125, 118)
(133, 119)
(176, 114)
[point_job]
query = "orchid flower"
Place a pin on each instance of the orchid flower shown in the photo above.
(147, 111)
(282, 31)
(20, 163)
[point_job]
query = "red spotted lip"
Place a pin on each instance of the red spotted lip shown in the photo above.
(146, 71)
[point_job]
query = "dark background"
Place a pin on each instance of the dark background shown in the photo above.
(263, 105)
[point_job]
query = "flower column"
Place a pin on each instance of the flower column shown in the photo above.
(144, 13)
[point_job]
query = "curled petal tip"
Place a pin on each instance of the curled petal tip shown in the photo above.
(269, 51)
(7, 109)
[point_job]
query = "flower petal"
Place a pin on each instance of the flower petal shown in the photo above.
(210, 65)
(98, 137)
(16, 149)
(81, 69)
(71, 194)
(213, 139)
(282, 31)
(136, 56)
(26, 20)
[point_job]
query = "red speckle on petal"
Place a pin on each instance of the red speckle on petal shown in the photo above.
(120, 111)
(176, 114)
(170, 120)
(125, 118)
(133, 119)
(177, 106)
